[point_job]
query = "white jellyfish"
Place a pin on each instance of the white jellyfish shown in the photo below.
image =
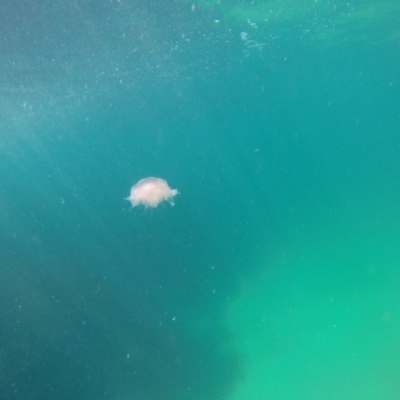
(151, 192)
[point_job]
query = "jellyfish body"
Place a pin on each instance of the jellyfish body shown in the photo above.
(150, 192)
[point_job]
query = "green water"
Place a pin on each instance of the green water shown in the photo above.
(275, 275)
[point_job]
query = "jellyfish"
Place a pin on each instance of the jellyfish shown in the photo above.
(151, 192)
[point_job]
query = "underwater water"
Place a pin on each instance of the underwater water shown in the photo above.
(275, 275)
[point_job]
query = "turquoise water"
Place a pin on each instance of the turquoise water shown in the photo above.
(275, 275)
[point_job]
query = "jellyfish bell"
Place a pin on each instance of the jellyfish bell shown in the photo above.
(150, 192)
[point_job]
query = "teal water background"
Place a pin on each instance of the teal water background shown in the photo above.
(276, 274)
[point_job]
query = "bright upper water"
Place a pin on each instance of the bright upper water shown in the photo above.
(276, 276)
